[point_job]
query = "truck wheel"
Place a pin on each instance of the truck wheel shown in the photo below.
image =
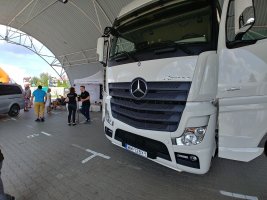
(14, 110)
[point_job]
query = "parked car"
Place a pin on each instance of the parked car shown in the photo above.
(11, 99)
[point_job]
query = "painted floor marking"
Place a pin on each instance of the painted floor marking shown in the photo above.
(94, 153)
(47, 134)
(33, 135)
(238, 196)
(87, 159)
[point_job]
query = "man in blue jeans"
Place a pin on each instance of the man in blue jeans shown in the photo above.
(3, 196)
(85, 99)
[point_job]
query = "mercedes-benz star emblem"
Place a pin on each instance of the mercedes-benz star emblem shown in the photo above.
(139, 88)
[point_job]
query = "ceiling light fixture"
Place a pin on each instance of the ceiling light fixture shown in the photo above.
(63, 1)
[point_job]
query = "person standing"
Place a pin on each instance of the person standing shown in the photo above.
(39, 103)
(27, 97)
(48, 101)
(85, 99)
(72, 105)
(3, 196)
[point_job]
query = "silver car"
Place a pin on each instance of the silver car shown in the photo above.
(11, 99)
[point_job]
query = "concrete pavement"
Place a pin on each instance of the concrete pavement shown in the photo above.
(53, 161)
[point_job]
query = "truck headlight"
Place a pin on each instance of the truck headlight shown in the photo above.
(192, 136)
(189, 138)
(107, 115)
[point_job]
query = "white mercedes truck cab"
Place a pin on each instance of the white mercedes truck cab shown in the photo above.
(184, 78)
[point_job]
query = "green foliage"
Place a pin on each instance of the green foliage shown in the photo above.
(64, 84)
(35, 81)
(44, 78)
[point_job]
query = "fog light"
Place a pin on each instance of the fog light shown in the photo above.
(193, 158)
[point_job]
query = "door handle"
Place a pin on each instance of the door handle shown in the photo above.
(232, 89)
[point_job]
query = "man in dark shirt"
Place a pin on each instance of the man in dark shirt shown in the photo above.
(85, 99)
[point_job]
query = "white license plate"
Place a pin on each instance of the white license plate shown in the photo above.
(136, 150)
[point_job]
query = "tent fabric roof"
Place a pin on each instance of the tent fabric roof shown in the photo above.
(97, 78)
(70, 30)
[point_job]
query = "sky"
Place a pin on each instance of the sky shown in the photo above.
(20, 62)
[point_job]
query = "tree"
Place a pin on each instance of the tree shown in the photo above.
(64, 84)
(44, 78)
(35, 81)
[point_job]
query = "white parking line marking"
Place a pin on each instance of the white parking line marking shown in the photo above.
(47, 134)
(33, 135)
(238, 196)
(94, 153)
(98, 154)
(87, 159)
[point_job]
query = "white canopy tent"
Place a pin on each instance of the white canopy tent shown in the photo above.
(97, 78)
(69, 31)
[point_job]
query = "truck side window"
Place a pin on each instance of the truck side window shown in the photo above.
(258, 30)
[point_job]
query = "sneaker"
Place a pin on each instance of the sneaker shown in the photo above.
(42, 119)
(69, 124)
(37, 120)
(73, 124)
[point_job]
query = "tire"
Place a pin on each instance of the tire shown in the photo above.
(14, 110)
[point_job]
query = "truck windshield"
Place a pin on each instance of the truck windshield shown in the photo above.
(165, 29)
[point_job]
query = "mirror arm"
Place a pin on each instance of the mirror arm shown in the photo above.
(239, 36)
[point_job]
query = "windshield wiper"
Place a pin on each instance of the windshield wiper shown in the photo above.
(123, 55)
(170, 46)
(192, 35)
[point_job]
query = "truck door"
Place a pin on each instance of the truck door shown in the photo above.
(242, 84)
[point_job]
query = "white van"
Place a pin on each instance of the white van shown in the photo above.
(11, 99)
(186, 77)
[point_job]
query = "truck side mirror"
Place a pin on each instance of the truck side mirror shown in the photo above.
(244, 17)
(100, 49)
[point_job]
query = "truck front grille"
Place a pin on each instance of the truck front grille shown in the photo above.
(160, 110)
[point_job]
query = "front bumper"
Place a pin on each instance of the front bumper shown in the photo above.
(160, 147)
